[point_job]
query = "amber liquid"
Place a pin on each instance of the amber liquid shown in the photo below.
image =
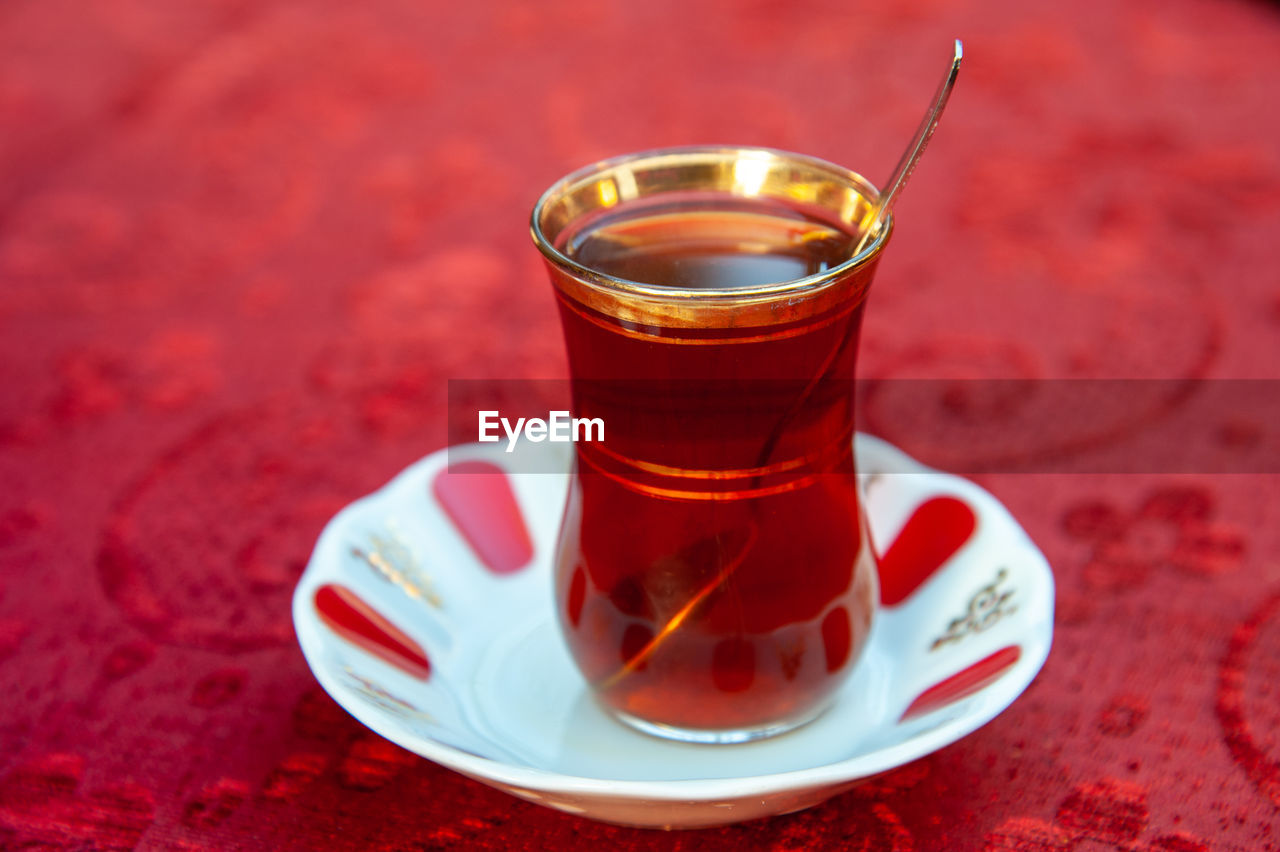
(712, 571)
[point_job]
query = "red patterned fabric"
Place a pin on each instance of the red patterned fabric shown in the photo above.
(244, 244)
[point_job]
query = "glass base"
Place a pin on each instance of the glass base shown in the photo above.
(712, 736)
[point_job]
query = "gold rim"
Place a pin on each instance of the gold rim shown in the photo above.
(617, 179)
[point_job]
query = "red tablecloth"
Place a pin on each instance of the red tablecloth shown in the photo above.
(243, 245)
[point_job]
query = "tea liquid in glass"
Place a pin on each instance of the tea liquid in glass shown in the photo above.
(713, 572)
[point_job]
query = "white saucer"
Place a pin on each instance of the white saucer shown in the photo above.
(498, 698)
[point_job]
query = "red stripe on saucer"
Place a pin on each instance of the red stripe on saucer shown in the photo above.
(477, 497)
(348, 615)
(963, 683)
(934, 532)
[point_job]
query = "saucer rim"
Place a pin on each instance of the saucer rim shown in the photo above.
(999, 695)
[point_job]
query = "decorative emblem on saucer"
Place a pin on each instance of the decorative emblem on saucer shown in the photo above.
(393, 560)
(987, 606)
(381, 697)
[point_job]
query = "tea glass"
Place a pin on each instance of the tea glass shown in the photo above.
(714, 580)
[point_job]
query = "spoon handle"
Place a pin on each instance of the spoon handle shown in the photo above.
(877, 213)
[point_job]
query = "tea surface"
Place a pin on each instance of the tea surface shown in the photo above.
(711, 249)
